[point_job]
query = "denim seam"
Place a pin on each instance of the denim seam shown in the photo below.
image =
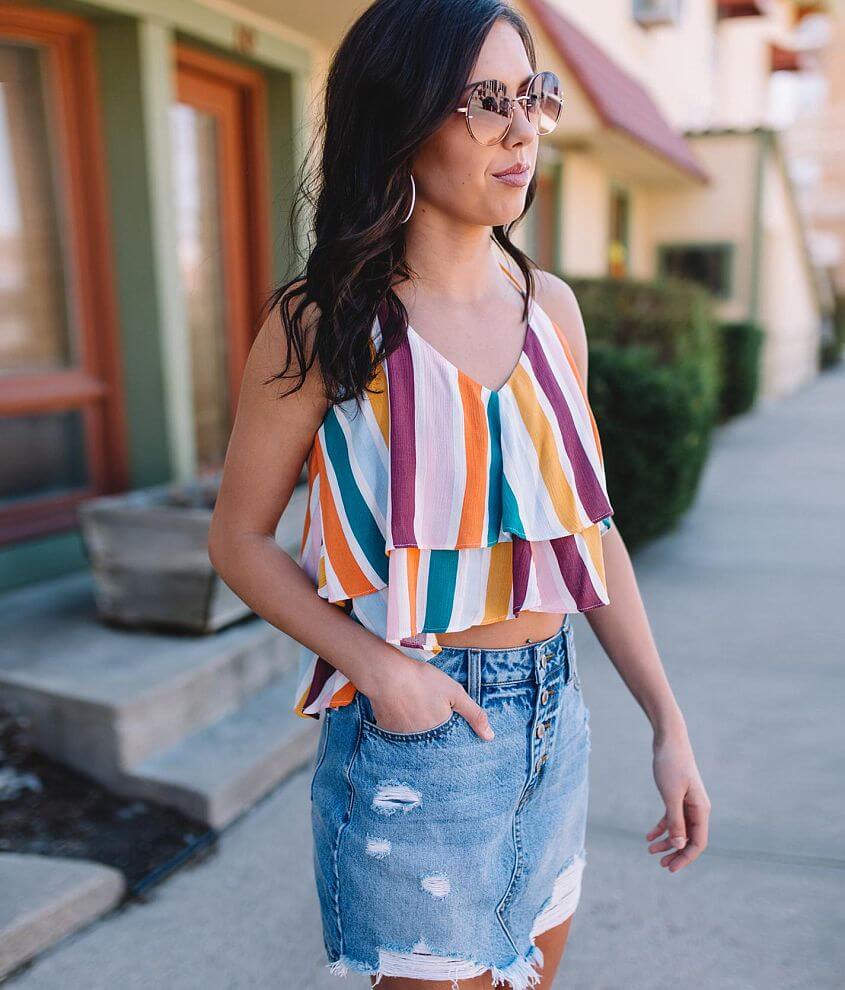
(324, 745)
(347, 819)
(421, 736)
(507, 897)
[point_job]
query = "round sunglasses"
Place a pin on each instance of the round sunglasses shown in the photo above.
(489, 109)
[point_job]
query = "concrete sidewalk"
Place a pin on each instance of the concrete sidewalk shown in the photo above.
(747, 603)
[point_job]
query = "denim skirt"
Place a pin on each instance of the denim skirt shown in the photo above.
(440, 855)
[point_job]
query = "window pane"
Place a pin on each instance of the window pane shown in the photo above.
(42, 455)
(198, 195)
(707, 265)
(34, 324)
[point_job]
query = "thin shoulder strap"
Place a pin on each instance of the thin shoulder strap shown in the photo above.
(512, 277)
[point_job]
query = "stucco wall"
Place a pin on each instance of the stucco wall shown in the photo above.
(788, 307)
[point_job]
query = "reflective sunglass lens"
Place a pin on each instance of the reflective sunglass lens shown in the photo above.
(489, 112)
(544, 102)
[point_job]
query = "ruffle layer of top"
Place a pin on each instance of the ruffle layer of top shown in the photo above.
(512, 480)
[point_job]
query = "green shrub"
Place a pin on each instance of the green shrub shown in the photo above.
(654, 387)
(834, 341)
(655, 423)
(672, 316)
(739, 366)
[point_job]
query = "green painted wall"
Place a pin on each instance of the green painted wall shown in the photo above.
(133, 53)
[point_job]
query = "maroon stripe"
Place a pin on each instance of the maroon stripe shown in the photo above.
(322, 672)
(520, 569)
(403, 444)
(589, 488)
(575, 573)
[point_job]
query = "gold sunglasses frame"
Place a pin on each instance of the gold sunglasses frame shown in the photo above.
(515, 99)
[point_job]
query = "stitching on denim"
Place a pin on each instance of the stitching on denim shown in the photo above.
(422, 735)
(346, 820)
(324, 745)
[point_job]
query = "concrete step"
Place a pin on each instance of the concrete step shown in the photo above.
(45, 898)
(104, 699)
(217, 774)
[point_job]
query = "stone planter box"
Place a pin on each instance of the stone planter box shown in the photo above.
(148, 551)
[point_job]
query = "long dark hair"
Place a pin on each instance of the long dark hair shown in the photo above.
(395, 78)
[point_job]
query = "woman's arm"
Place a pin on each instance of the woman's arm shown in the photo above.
(270, 441)
(623, 629)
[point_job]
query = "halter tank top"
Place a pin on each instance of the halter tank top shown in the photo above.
(441, 504)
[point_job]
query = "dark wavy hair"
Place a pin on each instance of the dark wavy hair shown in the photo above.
(394, 80)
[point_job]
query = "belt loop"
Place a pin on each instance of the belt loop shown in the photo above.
(474, 674)
(538, 651)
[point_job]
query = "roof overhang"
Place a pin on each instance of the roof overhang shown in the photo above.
(608, 111)
(741, 8)
(783, 59)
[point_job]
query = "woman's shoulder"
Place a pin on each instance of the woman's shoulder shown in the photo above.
(557, 299)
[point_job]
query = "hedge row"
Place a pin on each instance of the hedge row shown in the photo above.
(654, 388)
(739, 366)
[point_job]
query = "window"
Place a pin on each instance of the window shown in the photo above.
(707, 264)
(618, 261)
(218, 128)
(59, 427)
(544, 218)
(651, 12)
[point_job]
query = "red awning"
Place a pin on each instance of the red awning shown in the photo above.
(619, 99)
(740, 8)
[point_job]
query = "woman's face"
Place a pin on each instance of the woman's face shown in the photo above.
(456, 175)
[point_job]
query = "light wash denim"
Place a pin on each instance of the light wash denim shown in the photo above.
(440, 855)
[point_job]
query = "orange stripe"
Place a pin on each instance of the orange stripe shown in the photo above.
(343, 696)
(412, 559)
(351, 577)
(475, 456)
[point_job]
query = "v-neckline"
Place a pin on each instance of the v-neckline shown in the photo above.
(484, 388)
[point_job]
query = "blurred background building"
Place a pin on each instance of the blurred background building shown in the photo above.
(146, 158)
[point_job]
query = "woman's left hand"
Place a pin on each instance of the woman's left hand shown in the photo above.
(687, 804)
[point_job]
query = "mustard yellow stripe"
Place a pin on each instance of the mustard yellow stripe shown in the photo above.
(592, 537)
(570, 357)
(499, 581)
(378, 400)
(538, 427)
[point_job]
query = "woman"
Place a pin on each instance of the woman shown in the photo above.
(457, 514)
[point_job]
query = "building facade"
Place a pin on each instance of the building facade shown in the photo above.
(149, 154)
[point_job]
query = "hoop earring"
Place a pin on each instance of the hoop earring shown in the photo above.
(413, 199)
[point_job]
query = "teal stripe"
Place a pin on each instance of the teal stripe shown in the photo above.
(440, 590)
(362, 522)
(494, 479)
(512, 519)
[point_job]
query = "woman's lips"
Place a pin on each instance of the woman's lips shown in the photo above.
(515, 178)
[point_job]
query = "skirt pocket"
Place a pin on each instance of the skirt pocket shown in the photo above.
(369, 725)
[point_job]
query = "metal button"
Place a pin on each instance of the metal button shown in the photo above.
(544, 697)
(541, 730)
(543, 661)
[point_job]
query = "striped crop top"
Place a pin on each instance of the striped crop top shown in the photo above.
(441, 504)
